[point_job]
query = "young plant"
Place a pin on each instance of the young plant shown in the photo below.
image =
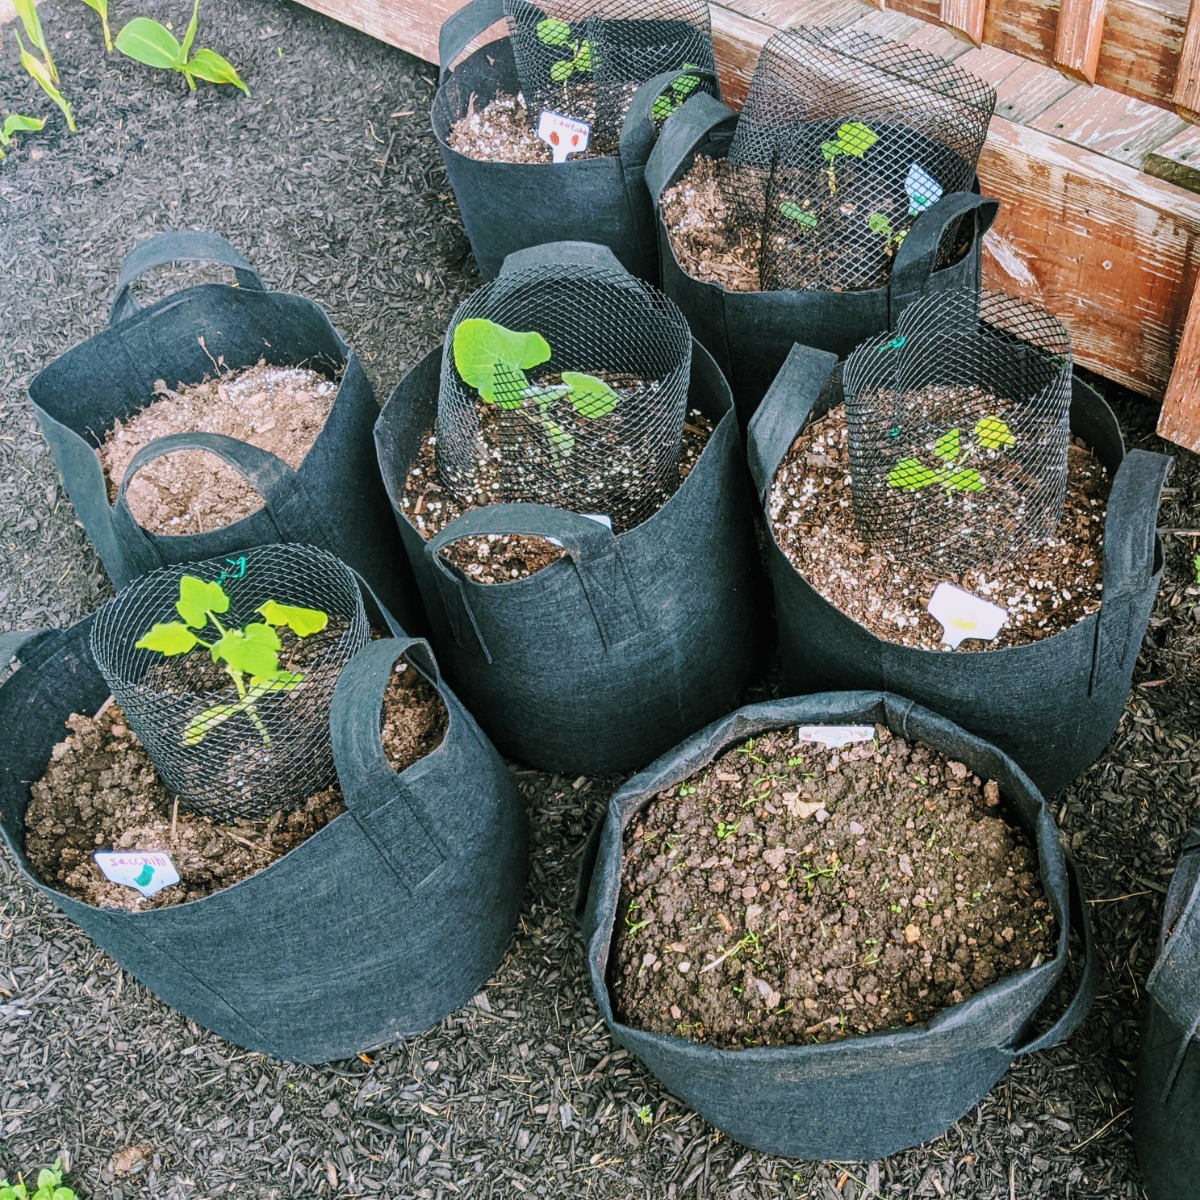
(1196, 569)
(580, 55)
(853, 140)
(493, 360)
(679, 89)
(250, 655)
(952, 451)
(100, 8)
(148, 42)
(32, 23)
(878, 223)
(804, 221)
(17, 124)
(49, 1186)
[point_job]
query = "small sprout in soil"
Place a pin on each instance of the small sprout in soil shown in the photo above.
(853, 140)
(1196, 569)
(49, 1186)
(100, 8)
(679, 89)
(645, 1114)
(631, 921)
(154, 45)
(580, 56)
(878, 223)
(796, 760)
(42, 70)
(250, 655)
(791, 211)
(724, 831)
(687, 789)
(18, 124)
(952, 451)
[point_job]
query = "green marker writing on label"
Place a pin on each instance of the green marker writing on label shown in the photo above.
(144, 876)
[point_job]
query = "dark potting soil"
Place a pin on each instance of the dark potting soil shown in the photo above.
(278, 409)
(791, 893)
(100, 792)
(1046, 588)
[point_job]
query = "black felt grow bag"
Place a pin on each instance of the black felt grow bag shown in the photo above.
(601, 660)
(750, 333)
(388, 918)
(868, 1096)
(1167, 1095)
(1053, 704)
(512, 206)
(334, 500)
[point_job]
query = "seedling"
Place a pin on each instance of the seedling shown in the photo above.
(952, 451)
(580, 55)
(811, 874)
(679, 89)
(645, 1114)
(853, 140)
(250, 655)
(632, 924)
(100, 8)
(726, 831)
(688, 789)
(49, 1186)
(154, 45)
(17, 124)
(805, 221)
(41, 70)
(32, 24)
(1196, 569)
(750, 941)
(879, 223)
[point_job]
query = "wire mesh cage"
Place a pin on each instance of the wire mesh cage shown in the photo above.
(227, 680)
(586, 60)
(958, 425)
(845, 139)
(565, 385)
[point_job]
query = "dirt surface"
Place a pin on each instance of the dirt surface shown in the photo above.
(764, 903)
(278, 409)
(1046, 589)
(329, 179)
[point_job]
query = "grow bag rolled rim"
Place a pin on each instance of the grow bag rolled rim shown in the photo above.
(1076, 918)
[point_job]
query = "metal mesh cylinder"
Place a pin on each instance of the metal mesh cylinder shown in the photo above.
(586, 60)
(958, 425)
(266, 756)
(845, 139)
(538, 440)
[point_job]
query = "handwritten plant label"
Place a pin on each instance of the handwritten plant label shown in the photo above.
(923, 190)
(963, 615)
(563, 135)
(836, 736)
(600, 519)
(149, 871)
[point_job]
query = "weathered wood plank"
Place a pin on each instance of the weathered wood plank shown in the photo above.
(1023, 89)
(966, 16)
(1177, 160)
(1180, 418)
(1078, 37)
(1187, 77)
(1109, 123)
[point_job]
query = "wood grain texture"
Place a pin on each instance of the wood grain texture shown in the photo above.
(1187, 76)
(1177, 160)
(1078, 36)
(1111, 124)
(966, 16)
(1180, 418)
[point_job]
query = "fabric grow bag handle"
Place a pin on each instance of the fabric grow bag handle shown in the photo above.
(12, 644)
(784, 409)
(638, 134)
(295, 517)
(917, 256)
(180, 245)
(460, 29)
(593, 551)
(683, 134)
(384, 802)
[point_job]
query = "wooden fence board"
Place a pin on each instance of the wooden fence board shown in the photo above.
(1109, 123)
(1078, 37)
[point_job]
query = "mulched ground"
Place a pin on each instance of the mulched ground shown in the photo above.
(329, 179)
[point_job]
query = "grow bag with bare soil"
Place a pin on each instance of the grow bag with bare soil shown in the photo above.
(1049, 699)
(373, 927)
(738, 1002)
(609, 646)
(511, 205)
(1166, 1106)
(159, 380)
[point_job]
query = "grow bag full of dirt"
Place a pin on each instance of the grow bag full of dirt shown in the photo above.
(385, 920)
(750, 333)
(511, 206)
(334, 500)
(602, 659)
(867, 1096)
(1052, 704)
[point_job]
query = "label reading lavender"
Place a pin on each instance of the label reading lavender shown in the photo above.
(835, 736)
(564, 135)
(149, 871)
(963, 615)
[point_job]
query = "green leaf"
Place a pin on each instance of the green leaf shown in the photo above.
(591, 397)
(168, 638)
(855, 138)
(48, 1179)
(793, 212)
(279, 681)
(253, 650)
(208, 720)
(552, 32)
(63, 1193)
(911, 474)
(586, 57)
(994, 434)
(664, 106)
(190, 33)
(19, 124)
(27, 11)
(198, 598)
(685, 85)
(965, 480)
(148, 42)
(100, 7)
(211, 67)
(830, 151)
(878, 223)
(562, 444)
(43, 76)
(560, 72)
(301, 621)
(491, 359)
(949, 446)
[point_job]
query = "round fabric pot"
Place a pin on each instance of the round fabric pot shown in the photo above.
(1053, 704)
(604, 658)
(750, 333)
(1166, 1105)
(512, 206)
(868, 1096)
(388, 918)
(334, 500)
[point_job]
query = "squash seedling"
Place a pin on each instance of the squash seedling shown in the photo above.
(250, 655)
(154, 45)
(679, 89)
(853, 140)
(581, 57)
(100, 8)
(17, 124)
(49, 1186)
(804, 221)
(878, 223)
(952, 451)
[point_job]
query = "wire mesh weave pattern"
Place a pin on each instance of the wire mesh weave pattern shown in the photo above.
(958, 425)
(845, 139)
(541, 440)
(269, 755)
(586, 60)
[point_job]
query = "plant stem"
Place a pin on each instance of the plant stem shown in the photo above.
(247, 705)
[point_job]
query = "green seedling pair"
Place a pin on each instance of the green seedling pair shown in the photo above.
(580, 54)
(49, 1186)
(148, 42)
(952, 451)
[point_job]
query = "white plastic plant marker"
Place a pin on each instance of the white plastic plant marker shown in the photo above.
(149, 871)
(835, 736)
(599, 518)
(923, 190)
(963, 615)
(564, 135)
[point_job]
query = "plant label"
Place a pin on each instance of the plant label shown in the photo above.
(149, 871)
(600, 519)
(836, 736)
(923, 190)
(564, 135)
(962, 615)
